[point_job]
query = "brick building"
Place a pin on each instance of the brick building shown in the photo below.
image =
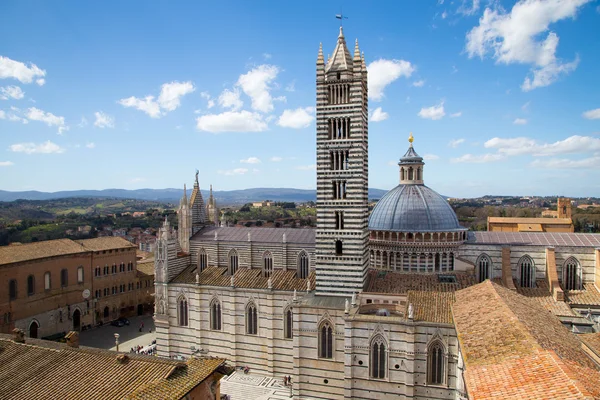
(55, 286)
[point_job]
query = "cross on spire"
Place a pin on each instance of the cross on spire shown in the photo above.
(341, 17)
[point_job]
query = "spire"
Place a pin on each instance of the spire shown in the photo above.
(320, 55)
(184, 199)
(341, 59)
(356, 52)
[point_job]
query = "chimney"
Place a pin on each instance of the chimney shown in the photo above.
(18, 335)
(72, 339)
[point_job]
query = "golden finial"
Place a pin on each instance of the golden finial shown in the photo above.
(411, 138)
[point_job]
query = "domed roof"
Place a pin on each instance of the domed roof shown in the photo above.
(413, 208)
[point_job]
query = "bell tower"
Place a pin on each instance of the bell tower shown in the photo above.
(342, 172)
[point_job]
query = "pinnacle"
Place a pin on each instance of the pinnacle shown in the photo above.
(356, 51)
(320, 56)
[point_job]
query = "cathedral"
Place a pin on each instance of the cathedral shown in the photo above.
(402, 303)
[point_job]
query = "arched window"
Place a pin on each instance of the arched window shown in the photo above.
(267, 264)
(526, 272)
(215, 315)
(80, 274)
(338, 248)
(484, 268)
(30, 285)
(33, 329)
(288, 323)
(202, 260)
(12, 289)
(47, 281)
(326, 340)
(451, 261)
(572, 274)
(410, 173)
(233, 261)
(302, 266)
(436, 364)
(251, 319)
(402, 174)
(182, 311)
(64, 277)
(378, 358)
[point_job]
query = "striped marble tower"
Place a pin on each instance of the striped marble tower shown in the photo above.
(342, 172)
(197, 207)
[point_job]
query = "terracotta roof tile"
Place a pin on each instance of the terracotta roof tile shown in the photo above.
(587, 297)
(542, 294)
(431, 306)
(592, 341)
(246, 278)
(105, 243)
(32, 251)
(401, 283)
(35, 370)
(146, 267)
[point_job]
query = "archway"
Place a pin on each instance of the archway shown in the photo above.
(106, 311)
(77, 320)
(140, 309)
(33, 329)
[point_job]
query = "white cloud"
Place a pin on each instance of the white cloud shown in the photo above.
(6, 163)
(32, 148)
(257, 84)
(382, 72)
(90, 145)
(147, 105)
(455, 142)
(484, 158)
(592, 114)
(378, 115)
(231, 121)
(433, 112)
(2, 114)
(523, 145)
(311, 167)
(419, 83)
(210, 102)
(430, 157)
(104, 120)
(251, 160)
(468, 7)
(11, 92)
(231, 99)
(444, 15)
(515, 38)
(520, 121)
(20, 71)
(83, 122)
(592, 162)
(35, 114)
(525, 107)
(40, 81)
(267, 56)
(456, 114)
(291, 87)
(276, 159)
(236, 171)
(169, 99)
(296, 119)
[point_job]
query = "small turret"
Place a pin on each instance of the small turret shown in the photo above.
(411, 166)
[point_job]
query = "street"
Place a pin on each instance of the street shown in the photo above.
(129, 335)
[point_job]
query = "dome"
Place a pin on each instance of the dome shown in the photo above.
(413, 208)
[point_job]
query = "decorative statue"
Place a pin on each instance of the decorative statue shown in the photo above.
(232, 285)
(295, 295)
(270, 284)
(249, 237)
(410, 311)
(197, 278)
(307, 285)
(353, 299)
(347, 307)
(197, 175)
(284, 241)
(216, 235)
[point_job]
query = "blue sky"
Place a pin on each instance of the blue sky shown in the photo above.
(502, 97)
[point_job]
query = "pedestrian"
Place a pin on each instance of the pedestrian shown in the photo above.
(284, 380)
(289, 380)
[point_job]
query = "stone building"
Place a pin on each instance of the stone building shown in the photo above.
(366, 307)
(56, 286)
(560, 221)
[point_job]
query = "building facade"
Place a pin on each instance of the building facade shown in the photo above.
(360, 307)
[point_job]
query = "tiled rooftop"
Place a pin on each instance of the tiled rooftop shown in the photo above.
(106, 243)
(431, 306)
(588, 297)
(246, 278)
(32, 251)
(400, 282)
(36, 371)
(262, 235)
(514, 348)
(146, 266)
(536, 238)
(552, 221)
(542, 294)
(592, 340)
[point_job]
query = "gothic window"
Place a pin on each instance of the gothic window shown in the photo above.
(302, 265)
(182, 311)
(215, 315)
(526, 272)
(47, 281)
(267, 264)
(288, 323)
(339, 220)
(326, 340)
(79, 274)
(484, 267)
(338, 248)
(251, 319)
(113, 270)
(64, 277)
(572, 274)
(30, 285)
(202, 260)
(378, 358)
(436, 364)
(233, 262)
